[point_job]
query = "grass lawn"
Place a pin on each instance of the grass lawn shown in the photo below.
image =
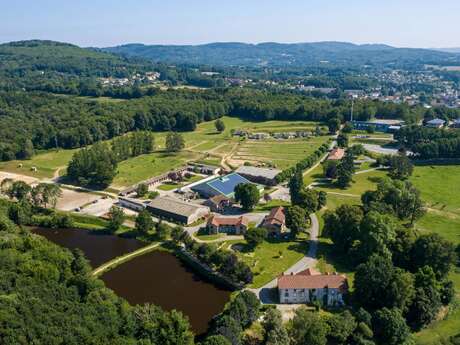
(167, 186)
(46, 163)
(210, 237)
(269, 205)
(439, 188)
(143, 167)
(281, 153)
(265, 261)
(439, 185)
(361, 183)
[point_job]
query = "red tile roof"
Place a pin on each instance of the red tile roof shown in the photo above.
(276, 216)
(309, 272)
(302, 281)
(336, 154)
(222, 221)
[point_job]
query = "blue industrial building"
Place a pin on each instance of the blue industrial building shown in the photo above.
(386, 126)
(223, 185)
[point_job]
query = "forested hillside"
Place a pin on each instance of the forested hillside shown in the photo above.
(65, 68)
(30, 120)
(47, 296)
(282, 55)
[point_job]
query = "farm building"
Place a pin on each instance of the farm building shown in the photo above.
(175, 210)
(228, 225)
(204, 169)
(436, 123)
(275, 221)
(379, 125)
(264, 176)
(131, 204)
(309, 286)
(224, 185)
(218, 203)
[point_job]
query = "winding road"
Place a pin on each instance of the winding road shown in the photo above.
(267, 293)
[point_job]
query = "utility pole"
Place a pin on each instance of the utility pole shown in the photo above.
(352, 106)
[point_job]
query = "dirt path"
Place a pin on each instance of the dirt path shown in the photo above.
(223, 161)
(124, 258)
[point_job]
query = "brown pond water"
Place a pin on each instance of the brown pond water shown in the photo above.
(157, 277)
(160, 278)
(98, 248)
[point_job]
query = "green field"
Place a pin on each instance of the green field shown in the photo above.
(265, 261)
(204, 144)
(361, 183)
(281, 153)
(47, 164)
(439, 186)
(143, 167)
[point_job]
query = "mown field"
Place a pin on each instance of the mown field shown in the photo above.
(204, 144)
(440, 188)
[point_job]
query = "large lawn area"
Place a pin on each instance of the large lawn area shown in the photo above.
(281, 153)
(361, 183)
(46, 163)
(439, 185)
(143, 167)
(266, 262)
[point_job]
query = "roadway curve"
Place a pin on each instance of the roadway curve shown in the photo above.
(266, 293)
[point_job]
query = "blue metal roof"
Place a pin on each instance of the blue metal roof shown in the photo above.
(226, 184)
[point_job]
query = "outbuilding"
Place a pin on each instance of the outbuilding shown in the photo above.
(266, 176)
(223, 185)
(176, 210)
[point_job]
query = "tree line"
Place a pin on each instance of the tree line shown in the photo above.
(399, 273)
(428, 143)
(33, 120)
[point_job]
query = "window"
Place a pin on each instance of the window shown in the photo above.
(286, 294)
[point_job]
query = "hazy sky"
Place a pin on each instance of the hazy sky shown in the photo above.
(410, 23)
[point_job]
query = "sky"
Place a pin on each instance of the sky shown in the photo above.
(102, 23)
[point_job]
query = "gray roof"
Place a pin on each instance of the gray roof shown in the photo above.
(176, 206)
(436, 122)
(457, 121)
(254, 171)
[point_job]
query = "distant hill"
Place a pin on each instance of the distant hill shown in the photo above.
(449, 50)
(279, 55)
(63, 58)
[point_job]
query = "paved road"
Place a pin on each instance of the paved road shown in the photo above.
(267, 293)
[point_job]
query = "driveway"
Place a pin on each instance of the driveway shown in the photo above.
(267, 293)
(382, 150)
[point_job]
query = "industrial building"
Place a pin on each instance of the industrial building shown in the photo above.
(176, 210)
(266, 176)
(223, 185)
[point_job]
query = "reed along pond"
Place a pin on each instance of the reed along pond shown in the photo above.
(156, 277)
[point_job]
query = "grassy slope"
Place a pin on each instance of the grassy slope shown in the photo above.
(202, 142)
(439, 186)
(265, 261)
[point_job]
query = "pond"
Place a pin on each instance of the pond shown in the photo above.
(157, 277)
(98, 247)
(160, 278)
